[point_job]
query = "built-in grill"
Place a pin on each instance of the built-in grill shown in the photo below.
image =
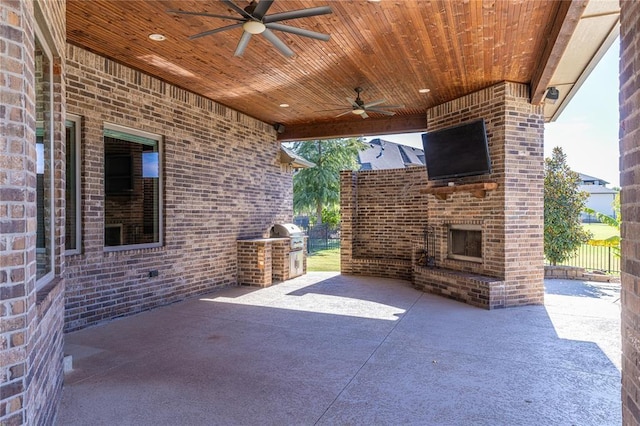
(291, 231)
(296, 246)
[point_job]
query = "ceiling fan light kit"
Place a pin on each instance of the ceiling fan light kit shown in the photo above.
(254, 20)
(254, 27)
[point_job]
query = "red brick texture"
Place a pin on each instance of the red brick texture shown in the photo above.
(384, 213)
(223, 181)
(630, 208)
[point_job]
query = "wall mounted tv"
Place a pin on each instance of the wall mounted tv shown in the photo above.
(457, 151)
(118, 174)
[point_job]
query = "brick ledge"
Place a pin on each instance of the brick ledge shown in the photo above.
(381, 261)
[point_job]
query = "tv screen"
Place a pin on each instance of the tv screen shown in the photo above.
(118, 174)
(457, 151)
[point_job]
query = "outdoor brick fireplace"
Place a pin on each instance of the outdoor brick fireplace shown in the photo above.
(486, 230)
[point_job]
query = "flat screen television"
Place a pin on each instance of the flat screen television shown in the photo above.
(118, 175)
(457, 151)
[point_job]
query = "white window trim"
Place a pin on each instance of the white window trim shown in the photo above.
(159, 140)
(77, 120)
(48, 277)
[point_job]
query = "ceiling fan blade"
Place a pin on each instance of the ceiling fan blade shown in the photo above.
(242, 44)
(210, 15)
(364, 115)
(374, 103)
(262, 8)
(279, 44)
(381, 111)
(298, 31)
(352, 103)
(217, 30)
(343, 113)
(295, 14)
(238, 9)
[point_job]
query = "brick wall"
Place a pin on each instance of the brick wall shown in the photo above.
(384, 213)
(222, 182)
(630, 209)
(31, 332)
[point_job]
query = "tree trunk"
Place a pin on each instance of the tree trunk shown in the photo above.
(319, 214)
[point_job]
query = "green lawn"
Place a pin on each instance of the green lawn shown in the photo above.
(324, 261)
(600, 231)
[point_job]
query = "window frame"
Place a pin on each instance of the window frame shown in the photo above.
(41, 40)
(160, 211)
(77, 121)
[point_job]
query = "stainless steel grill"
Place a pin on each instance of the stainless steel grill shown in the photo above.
(291, 231)
(296, 246)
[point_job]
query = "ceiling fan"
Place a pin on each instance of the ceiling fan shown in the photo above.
(358, 106)
(253, 19)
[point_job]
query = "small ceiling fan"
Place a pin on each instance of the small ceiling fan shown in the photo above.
(358, 106)
(253, 19)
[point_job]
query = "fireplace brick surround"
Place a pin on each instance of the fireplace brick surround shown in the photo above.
(384, 213)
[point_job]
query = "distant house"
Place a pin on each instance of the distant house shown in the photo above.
(383, 154)
(600, 197)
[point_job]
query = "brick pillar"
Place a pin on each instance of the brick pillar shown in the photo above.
(17, 206)
(31, 318)
(630, 208)
(348, 188)
(523, 188)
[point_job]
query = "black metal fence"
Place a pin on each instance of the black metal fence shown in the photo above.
(595, 258)
(322, 237)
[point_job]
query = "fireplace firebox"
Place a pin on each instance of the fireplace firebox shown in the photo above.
(465, 242)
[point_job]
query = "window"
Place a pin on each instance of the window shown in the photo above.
(72, 194)
(133, 189)
(44, 165)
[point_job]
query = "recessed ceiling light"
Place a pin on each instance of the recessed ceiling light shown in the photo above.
(157, 37)
(424, 90)
(284, 105)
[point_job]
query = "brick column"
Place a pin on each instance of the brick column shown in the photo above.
(630, 208)
(348, 187)
(31, 319)
(17, 206)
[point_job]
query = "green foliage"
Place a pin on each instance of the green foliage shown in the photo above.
(331, 216)
(563, 203)
(614, 222)
(317, 189)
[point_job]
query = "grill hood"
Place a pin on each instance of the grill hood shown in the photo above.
(286, 230)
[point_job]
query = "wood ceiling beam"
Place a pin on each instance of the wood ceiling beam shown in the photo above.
(356, 128)
(563, 26)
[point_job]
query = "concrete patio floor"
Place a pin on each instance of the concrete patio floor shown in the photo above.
(328, 349)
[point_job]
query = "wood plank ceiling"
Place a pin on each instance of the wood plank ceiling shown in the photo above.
(390, 48)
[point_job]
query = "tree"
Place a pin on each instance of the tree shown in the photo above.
(563, 203)
(318, 188)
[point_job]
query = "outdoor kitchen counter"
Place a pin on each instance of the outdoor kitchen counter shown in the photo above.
(263, 261)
